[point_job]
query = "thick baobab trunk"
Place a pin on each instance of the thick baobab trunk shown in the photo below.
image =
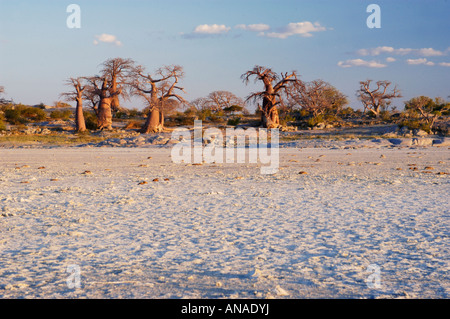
(104, 115)
(115, 104)
(269, 115)
(80, 124)
(154, 123)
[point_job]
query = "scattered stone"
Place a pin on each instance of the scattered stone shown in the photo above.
(155, 180)
(281, 292)
(142, 183)
(428, 168)
(86, 173)
(54, 180)
(302, 173)
(42, 167)
(166, 179)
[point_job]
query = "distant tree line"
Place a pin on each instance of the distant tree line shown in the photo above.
(284, 98)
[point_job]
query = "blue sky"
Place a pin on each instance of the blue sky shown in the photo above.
(216, 41)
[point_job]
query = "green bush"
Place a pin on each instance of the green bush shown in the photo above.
(184, 119)
(286, 118)
(2, 125)
(204, 114)
(134, 113)
(63, 115)
(234, 121)
(91, 120)
(313, 121)
(14, 116)
(21, 114)
(34, 114)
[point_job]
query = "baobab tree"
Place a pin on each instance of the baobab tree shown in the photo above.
(118, 72)
(317, 97)
(274, 85)
(157, 91)
(77, 96)
(100, 89)
(378, 99)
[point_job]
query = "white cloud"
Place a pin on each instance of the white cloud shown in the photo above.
(429, 52)
(390, 59)
(107, 38)
(400, 51)
(360, 62)
(375, 51)
(206, 30)
(303, 29)
(211, 29)
(445, 64)
(419, 61)
(259, 27)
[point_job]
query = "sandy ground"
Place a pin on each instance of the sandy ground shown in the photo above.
(361, 223)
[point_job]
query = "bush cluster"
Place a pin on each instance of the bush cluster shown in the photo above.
(22, 114)
(62, 115)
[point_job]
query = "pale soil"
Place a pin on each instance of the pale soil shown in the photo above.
(224, 230)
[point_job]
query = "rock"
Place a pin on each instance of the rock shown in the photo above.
(420, 133)
(404, 131)
(288, 129)
(441, 142)
(400, 142)
(319, 126)
(281, 292)
(422, 141)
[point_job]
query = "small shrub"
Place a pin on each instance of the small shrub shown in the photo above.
(134, 113)
(34, 114)
(14, 116)
(286, 118)
(203, 114)
(303, 113)
(91, 120)
(183, 119)
(234, 121)
(385, 116)
(59, 104)
(313, 121)
(2, 125)
(63, 115)
(412, 124)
